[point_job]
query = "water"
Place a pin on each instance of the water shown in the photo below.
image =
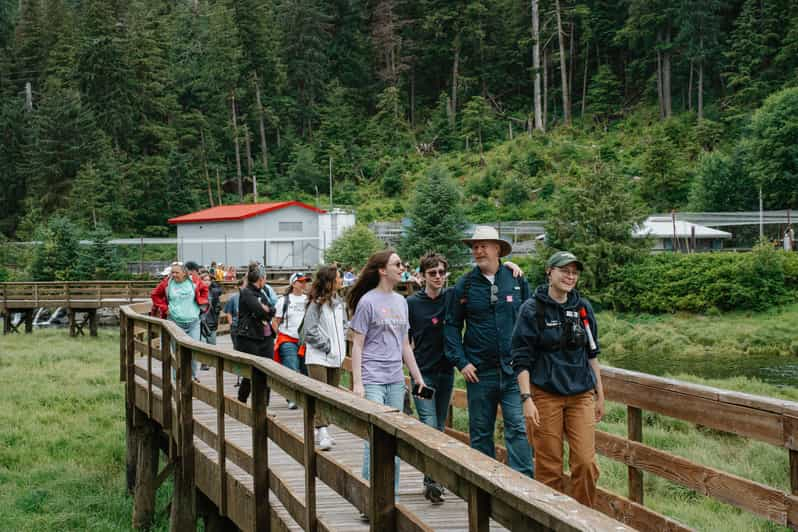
(772, 369)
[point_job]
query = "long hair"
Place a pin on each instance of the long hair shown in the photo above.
(369, 277)
(323, 288)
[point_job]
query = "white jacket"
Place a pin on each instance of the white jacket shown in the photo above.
(324, 334)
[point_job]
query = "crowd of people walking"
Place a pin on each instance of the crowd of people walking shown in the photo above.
(532, 352)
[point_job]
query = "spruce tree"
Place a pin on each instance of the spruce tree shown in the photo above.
(437, 220)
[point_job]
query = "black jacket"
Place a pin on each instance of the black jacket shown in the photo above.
(211, 317)
(486, 342)
(251, 314)
(426, 330)
(556, 356)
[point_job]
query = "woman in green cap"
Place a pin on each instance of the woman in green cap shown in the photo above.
(554, 347)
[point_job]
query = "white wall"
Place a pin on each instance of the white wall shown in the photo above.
(238, 242)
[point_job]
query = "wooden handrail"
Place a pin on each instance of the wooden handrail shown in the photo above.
(507, 496)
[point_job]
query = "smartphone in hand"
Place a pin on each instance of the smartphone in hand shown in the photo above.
(426, 393)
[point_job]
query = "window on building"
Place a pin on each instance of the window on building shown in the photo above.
(290, 227)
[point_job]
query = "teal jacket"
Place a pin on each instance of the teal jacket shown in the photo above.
(489, 326)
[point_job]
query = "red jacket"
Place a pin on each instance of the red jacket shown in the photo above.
(160, 303)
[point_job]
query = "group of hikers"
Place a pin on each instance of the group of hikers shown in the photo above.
(534, 353)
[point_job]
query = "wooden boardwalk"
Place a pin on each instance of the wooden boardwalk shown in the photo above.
(334, 511)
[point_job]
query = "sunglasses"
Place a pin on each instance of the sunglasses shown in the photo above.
(177, 263)
(494, 294)
(435, 273)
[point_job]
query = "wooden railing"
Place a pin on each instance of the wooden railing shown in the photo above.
(759, 418)
(492, 490)
(84, 294)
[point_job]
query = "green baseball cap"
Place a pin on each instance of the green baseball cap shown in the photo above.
(563, 258)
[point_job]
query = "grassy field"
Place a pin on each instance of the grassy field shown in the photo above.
(62, 433)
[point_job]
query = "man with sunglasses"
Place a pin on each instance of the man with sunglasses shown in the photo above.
(486, 300)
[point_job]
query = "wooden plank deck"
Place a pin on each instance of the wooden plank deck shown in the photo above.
(334, 512)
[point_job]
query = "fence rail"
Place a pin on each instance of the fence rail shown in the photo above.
(492, 490)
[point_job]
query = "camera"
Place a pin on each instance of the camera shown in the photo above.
(575, 336)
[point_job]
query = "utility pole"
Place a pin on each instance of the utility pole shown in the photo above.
(331, 185)
(238, 150)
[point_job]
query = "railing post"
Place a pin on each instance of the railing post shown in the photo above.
(166, 387)
(634, 426)
(149, 369)
(130, 406)
(221, 448)
(184, 512)
(794, 472)
(260, 453)
(309, 413)
(478, 510)
(383, 471)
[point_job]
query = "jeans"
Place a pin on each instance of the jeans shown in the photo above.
(192, 329)
(288, 355)
(433, 412)
(385, 394)
(211, 338)
(495, 388)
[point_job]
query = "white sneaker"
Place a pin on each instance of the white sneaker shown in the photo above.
(292, 405)
(325, 442)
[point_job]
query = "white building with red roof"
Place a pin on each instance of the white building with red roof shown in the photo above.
(285, 234)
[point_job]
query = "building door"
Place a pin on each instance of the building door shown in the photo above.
(282, 255)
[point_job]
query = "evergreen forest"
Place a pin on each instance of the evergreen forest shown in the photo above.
(120, 114)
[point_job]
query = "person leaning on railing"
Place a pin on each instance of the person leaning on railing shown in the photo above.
(554, 348)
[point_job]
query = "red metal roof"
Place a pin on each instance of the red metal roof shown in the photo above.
(238, 212)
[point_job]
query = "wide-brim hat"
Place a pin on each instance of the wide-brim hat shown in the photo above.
(487, 232)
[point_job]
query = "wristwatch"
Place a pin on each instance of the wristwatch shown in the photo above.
(525, 396)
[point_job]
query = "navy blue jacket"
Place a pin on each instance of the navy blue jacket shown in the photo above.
(554, 365)
(489, 327)
(426, 330)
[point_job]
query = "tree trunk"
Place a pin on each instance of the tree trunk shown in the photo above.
(536, 65)
(250, 170)
(264, 150)
(566, 104)
(666, 76)
(690, 88)
(584, 78)
(455, 73)
(571, 63)
(659, 84)
(238, 150)
(413, 96)
(205, 167)
(545, 87)
(700, 89)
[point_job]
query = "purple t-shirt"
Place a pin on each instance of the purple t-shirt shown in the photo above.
(382, 319)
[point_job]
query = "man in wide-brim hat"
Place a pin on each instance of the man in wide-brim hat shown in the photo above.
(486, 300)
(487, 233)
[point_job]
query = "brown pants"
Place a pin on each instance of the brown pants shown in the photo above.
(331, 376)
(574, 417)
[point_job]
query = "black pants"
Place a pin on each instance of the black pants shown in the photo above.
(262, 348)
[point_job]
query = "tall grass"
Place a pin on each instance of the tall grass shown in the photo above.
(62, 434)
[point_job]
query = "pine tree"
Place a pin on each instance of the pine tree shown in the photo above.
(55, 259)
(437, 220)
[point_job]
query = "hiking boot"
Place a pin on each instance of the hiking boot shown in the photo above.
(433, 493)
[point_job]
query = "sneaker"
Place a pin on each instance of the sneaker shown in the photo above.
(292, 405)
(364, 518)
(327, 434)
(325, 444)
(433, 493)
(204, 367)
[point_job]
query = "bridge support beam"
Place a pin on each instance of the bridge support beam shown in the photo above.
(213, 520)
(146, 474)
(184, 502)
